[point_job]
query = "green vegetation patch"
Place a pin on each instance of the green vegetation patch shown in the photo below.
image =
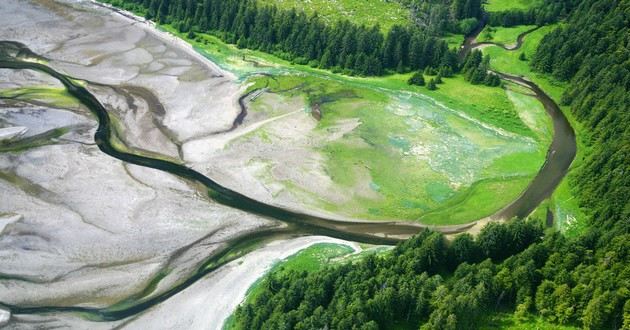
(505, 5)
(57, 97)
(503, 35)
(479, 201)
(425, 141)
(361, 12)
(507, 321)
(508, 61)
(454, 40)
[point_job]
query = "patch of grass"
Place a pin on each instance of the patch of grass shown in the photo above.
(479, 201)
(507, 321)
(313, 258)
(509, 62)
(505, 5)
(361, 12)
(503, 35)
(532, 113)
(454, 40)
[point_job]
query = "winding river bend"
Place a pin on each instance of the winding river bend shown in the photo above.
(559, 158)
(563, 147)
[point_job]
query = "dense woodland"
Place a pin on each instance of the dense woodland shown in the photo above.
(439, 16)
(476, 70)
(549, 11)
(429, 283)
(342, 47)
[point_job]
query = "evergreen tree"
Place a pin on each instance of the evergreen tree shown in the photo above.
(416, 79)
(438, 79)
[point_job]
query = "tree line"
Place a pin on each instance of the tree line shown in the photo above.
(593, 54)
(440, 16)
(547, 12)
(304, 39)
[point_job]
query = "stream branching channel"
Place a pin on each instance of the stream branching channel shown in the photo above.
(17, 56)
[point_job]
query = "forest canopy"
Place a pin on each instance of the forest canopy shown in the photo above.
(304, 39)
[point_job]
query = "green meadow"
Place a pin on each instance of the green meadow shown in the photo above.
(503, 35)
(505, 5)
(448, 156)
(369, 13)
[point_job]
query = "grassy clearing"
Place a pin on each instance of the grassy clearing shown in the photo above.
(505, 5)
(361, 12)
(385, 142)
(503, 35)
(454, 40)
(491, 104)
(531, 112)
(508, 61)
(390, 111)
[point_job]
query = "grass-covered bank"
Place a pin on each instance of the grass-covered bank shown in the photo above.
(503, 35)
(569, 218)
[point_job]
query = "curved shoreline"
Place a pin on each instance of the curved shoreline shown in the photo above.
(559, 157)
(561, 151)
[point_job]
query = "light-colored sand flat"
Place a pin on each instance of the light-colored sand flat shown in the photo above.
(80, 228)
(13, 132)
